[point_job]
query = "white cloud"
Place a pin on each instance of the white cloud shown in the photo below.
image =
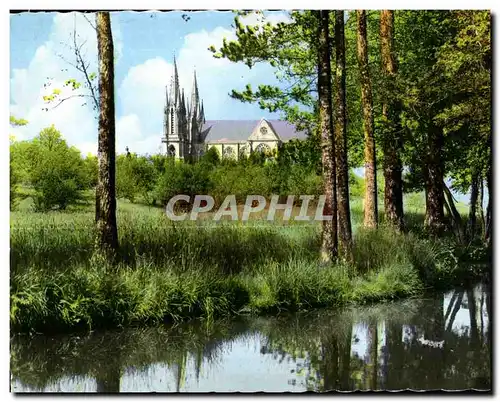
(47, 70)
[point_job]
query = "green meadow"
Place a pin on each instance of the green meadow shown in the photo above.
(172, 271)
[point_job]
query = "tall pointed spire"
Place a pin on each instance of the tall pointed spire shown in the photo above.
(183, 103)
(202, 114)
(174, 85)
(195, 98)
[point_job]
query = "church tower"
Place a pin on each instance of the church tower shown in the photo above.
(182, 121)
(196, 120)
(174, 135)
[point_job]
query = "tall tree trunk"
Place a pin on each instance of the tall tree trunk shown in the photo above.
(480, 203)
(105, 190)
(329, 235)
(392, 137)
(454, 214)
(344, 212)
(433, 168)
(474, 189)
(489, 208)
(371, 204)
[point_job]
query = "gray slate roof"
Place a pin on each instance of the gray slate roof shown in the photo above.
(240, 130)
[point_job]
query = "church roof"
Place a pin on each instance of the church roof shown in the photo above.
(240, 130)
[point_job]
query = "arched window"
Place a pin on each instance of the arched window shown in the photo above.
(228, 152)
(264, 148)
(244, 151)
(171, 121)
(171, 150)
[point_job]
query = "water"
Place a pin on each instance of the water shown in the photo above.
(442, 342)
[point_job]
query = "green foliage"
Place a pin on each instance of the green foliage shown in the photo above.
(290, 48)
(14, 169)
(135, 176)
(13, 182)
(54, 170)
(182, 178)
(14, 121)
(90, 170)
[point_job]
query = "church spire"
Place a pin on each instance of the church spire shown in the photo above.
(183, 103)
(195, 98)
(202, 113)
(174, 85)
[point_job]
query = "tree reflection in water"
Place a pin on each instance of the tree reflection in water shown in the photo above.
(442, 342)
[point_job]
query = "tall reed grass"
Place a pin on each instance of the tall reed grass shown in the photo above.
(169, 271)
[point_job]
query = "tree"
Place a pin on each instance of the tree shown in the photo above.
(344, 212)
(464, 64)
(391, 132)
(83, 67)
(13, 173)
(370, 200)
(51, 167)
(291, 48)
(105, 189)
(329, 234)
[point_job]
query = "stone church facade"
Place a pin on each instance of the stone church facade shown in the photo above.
(187, 135)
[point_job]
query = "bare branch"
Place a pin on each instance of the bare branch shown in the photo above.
(84, 67)
(70, 97)
(90, 23)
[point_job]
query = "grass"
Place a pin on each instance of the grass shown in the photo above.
(174, 271)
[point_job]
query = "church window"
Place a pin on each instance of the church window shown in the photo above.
(244, 151)
(172, 121)
(263, 130)
(263, 148)
(228, 152)
(171, 150)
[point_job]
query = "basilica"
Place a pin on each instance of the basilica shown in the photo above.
(187, 134)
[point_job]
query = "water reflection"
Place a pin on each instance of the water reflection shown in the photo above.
(438, 343)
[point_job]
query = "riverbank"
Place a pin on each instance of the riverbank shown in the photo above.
(173, 272)
(438, 342)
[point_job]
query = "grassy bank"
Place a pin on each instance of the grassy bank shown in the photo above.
(171, 272)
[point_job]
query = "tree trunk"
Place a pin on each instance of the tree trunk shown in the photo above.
(391, 138)
(454, 214)
(344, 212)
(370, 201)
(105, 190)
(474, 189)
(329, 234)
(434, 201)
(480, 203)
(489, 208)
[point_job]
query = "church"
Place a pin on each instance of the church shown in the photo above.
(188, 135)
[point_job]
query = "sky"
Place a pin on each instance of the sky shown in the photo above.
(145, 45)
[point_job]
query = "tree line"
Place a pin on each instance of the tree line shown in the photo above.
(407, 90)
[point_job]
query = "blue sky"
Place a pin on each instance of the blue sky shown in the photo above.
(145, 44)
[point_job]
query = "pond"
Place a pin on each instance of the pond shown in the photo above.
(438, 342)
